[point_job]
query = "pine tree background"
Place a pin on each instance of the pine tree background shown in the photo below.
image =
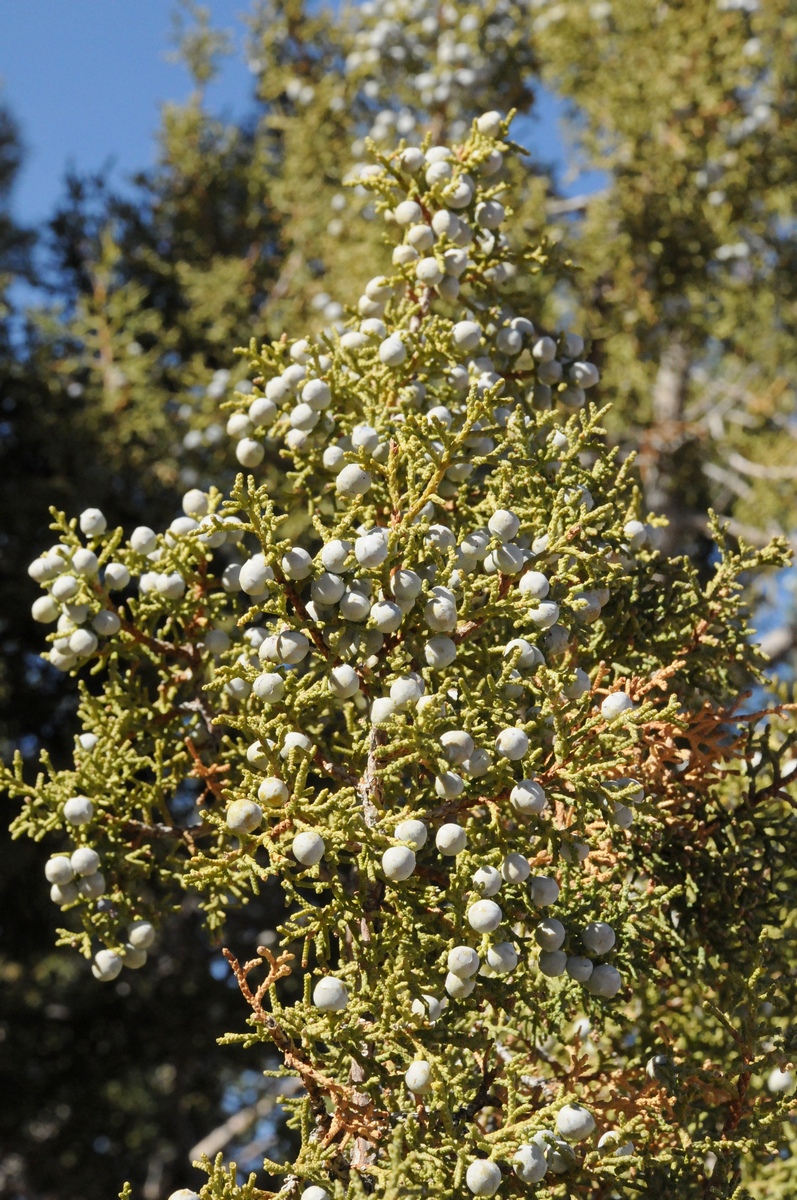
(680, 269)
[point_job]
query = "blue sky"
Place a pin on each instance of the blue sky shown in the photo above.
(86, 78)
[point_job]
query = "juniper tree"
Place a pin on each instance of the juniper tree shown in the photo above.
(489, 741)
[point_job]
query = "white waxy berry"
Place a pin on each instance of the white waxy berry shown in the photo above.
(255, 576)
(463, 961)
(478, 763)
(550, 934)
(418, 1077)
(476, 544)
(239, 424)
(490, 123)
(334, 459)
(78, 810)
(575, 1123)
(412, 831)
(512, 743)
(134, 958)
(308, 848)
(440, 612)
(502, 958)
(451, 839)
(296, 563)
(314, 1192)
(483, 1177)
(440, 652)
(365, 437)
(457, 745)
(553, 963)
(615, 704)
(116, 576)
(45, 610)
(504, 524)
(408, 212)
(291, 646)
(354, 605)
(458, 988)
(490, 214)
(343, 681)
(611, 1141)
(485, 916)
(107, 965)
(508, 558)
(449, 785)
(466, 335)
(263, 411)
(195, 503)
(64, 893)
(382, 709)
(269, 687)
(637, 534)
(428, 271)
(65, 587)
(330, 994)
(544, 614)
(544, 891)
(604, 981)
(84, 861)
(244, 816)
(46, 567)
(488, 880)
(398, 863)
(249, 452)
(535, 585)
(143, 539)
(316, 393)
(386, 616)
(170, 585)
(327, 588)
(59, 870)
(579, 968)
(392, 351)
(528, 797)
(371, 549)
(85, 562)
(420, 238)
(529, 1163)
(273, 792)
(515, 868)
(334, 555)
(83, 642)
(406, 585)
(406, 691)
(580, 686)
(91, 886)
(778, 1081)
(598, 937)
(352, 481)
(429, 1007)
(621, 815)
(88, 740)
(141, 934)
(529, 656)
(440, 536)
(92, 522)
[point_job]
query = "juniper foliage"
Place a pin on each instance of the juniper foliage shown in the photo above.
(492, 744)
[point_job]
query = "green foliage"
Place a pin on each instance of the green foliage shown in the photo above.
(449, 611)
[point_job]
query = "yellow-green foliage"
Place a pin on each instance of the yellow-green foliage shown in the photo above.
(451, 611)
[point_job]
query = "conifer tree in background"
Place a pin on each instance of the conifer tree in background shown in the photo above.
(487, 739)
